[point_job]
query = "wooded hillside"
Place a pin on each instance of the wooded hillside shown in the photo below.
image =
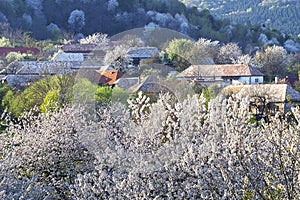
(278, 14)
(59, 19)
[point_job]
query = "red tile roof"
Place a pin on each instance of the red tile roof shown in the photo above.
(6, 50)
(108, 77)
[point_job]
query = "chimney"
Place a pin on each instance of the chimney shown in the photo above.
(276, 79)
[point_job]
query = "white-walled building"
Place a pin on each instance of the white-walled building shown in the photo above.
(228, 74)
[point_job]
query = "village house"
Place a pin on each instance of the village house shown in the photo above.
(127, 82)
(136, 54)
(23, 73)
(227, 74)
(149, 84)
(109, 77)
(153, 86)
(89, 52)
(79, 48)
(20, 74)
(266, 99)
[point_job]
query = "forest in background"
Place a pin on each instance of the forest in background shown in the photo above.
(277, 14)
(48, 19)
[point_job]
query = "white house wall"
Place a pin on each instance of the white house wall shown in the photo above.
(260, 79)
(249, 80)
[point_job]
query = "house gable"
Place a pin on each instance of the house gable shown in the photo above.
(138, 53)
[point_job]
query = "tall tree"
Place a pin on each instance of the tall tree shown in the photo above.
(76, 20)
(178, 50)
(229, 53)
(272, 61)
(204, 51)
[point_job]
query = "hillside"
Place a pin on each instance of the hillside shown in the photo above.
(282, 15)
(73, 20)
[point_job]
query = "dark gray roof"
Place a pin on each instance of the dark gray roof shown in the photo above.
(142, 52)
(126, 83)
(47, 67)
(37, 68)
(79, 48)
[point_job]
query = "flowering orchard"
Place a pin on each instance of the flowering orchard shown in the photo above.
(168, 149)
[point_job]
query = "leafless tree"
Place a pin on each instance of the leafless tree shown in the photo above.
(229, 53)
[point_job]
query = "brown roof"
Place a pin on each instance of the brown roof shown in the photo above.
(274, 92)
(227, 70)
(127, 82)
(109, 77)
(6, 50)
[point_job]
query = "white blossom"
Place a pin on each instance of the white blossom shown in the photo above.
(229, 53)
(112, 5)
(101, 40)
(243, 59)
(117, 57)
(178, 149)
(77, 20)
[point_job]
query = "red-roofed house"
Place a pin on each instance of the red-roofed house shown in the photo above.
(109, 77)
(228, 74)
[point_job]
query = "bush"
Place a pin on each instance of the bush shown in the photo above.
(14, 56)
(50, 101)
(5, 42)
(56, 89)
(4, 90)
